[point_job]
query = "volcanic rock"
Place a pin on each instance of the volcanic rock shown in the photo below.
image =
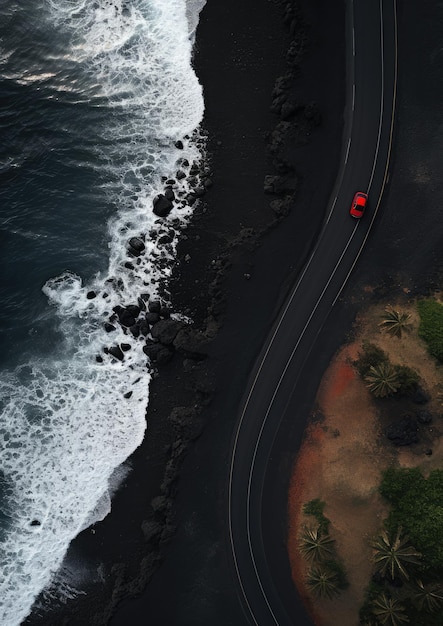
(168, 238)
(135, 330)
(126, 318)
(136, 245)
(280, 184)
(424, 416)
(154, 306)
(162, 206)
(192, 343)
(287, 110)
(403, 432)
(152, 318)
(188, 422)
(133, 309)
(169, 194)
(158, 353)
(165, 331)
(143, 327)
(116, 352)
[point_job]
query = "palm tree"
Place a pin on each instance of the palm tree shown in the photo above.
(314, 545)
(393, 553)
(323, 583)
(395, 322)
(389, 611)
(429, 597)
(382, 380)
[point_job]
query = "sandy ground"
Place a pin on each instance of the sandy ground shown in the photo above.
(343, 455)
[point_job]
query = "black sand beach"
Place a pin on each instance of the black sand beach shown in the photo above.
(239, 257)
(237, 260)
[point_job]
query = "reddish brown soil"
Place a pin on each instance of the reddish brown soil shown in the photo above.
(341, 459)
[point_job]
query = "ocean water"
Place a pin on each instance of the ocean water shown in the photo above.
(94, 96)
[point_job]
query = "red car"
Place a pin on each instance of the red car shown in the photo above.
(359, 204)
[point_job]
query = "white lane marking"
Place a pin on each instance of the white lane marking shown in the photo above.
(353, 97)
(272, 340)
(381, 99)
(240, 423)
(347, 150)
(268, 410)
(388, 158)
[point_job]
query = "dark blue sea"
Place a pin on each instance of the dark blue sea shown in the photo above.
(98, 102)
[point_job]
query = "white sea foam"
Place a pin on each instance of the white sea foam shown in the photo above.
(68, 421)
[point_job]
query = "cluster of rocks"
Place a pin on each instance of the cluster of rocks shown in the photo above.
(296, 119)
(151, 320)
(405, 431)
(174, 194)
(293, 21)
(159, 528)
(163, 336)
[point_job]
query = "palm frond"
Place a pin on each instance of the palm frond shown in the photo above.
(323, 583)
(394, 555)
(395, 322)
(314, 545)
(382, 380)
(389, 611)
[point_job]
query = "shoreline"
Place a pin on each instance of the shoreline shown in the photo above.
(233, 250)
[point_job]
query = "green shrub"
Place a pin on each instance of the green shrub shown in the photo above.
(316, 508)
(431, 326)
(417, 507)
(329, 567)
(407, 377)
(373, 590)
(336, 566)
(371, 356)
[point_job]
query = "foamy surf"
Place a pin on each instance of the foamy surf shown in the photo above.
(58, 411)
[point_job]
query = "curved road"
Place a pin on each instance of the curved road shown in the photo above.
(372, 77)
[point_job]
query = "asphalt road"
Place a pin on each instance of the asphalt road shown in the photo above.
(256, 524)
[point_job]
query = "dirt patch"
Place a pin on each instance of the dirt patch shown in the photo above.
(344, 452)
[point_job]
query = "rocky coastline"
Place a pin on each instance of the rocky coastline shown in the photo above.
(223, 249)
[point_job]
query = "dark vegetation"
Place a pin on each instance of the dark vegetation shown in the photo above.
(431, 326)
(408, 555)
(407, 581)
(326, 576)
(383, 377)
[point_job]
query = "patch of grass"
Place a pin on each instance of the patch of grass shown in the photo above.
(417, 507)
(431, 326)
